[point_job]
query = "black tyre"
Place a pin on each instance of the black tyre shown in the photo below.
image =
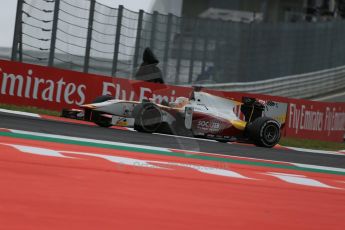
(97, 117)
(264, 132)
(73, 114)
(148, 118)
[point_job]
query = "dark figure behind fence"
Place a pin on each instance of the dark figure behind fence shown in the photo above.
(148, 70)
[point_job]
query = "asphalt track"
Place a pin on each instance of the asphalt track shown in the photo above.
(11, 121)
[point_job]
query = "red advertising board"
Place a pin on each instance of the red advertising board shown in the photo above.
(54, 89)
(316, 120)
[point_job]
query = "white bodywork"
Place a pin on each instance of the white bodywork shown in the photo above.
(203, 115)
(115, 107)
(214, 105)
(203, 102)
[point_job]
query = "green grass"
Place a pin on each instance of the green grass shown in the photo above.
(293, 142)
(30, 109)
(312, 144)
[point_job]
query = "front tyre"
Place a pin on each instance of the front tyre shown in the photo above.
(148, 118)
(97, 117)
(264, 132)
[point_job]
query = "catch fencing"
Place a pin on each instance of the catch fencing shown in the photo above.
(87, 36)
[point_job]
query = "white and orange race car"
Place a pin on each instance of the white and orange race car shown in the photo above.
(201, 115)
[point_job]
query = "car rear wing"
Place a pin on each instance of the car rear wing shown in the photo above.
(253, 108)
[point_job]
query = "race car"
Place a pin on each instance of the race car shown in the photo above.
(201, 115)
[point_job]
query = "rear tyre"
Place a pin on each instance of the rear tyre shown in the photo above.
(148, 118)
(264, 132)
(97, 117)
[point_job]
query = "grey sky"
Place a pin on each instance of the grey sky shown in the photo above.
(7, 18)
(8, 14)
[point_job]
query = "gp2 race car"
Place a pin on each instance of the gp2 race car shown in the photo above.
(201, 115)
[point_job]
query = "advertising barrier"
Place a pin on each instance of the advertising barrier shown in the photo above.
(55, 89)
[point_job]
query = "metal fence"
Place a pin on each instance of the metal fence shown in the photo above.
(308, 85)
(85, 35)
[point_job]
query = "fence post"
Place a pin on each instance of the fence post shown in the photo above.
(117, 39)
(54, 31)
(179, 51)
(191, 62)
(167, 45)
(21, 43)
(153, 29)
(17, 30)
(218, 58)
(89, 36)
(138, 38)
(205, 48)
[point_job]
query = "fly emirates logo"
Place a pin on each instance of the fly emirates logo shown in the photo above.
(36, 88)
(302, 118)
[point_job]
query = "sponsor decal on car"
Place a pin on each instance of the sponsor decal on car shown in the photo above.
(210, 126)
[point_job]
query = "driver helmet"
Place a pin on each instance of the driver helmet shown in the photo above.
(180, 102)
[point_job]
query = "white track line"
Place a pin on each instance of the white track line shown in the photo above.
(191, 138)
(325, 168)
(319, 167)
(340, 152)
(20, 113)
(316, 151)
